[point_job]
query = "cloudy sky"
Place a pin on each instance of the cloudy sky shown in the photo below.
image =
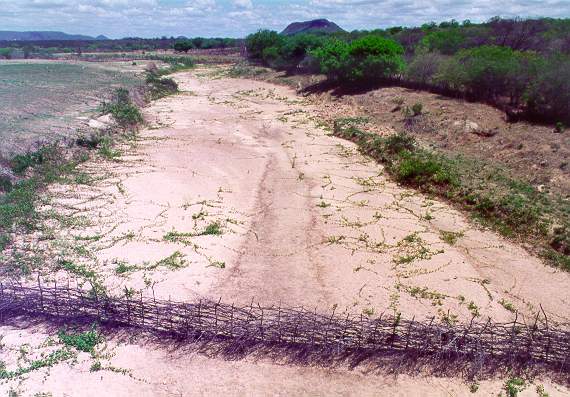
(236, 18)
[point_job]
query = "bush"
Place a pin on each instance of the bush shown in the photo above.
(183, 46)
(424, 67)
(125, 113)
(84, 341)
(486, 72)
(257, 42)
(370, 58)
(446, 42)
(422, 168)
(6, 53)
(548, 95)
(160, 87)
(21, 162)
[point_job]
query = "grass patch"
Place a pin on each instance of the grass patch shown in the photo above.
(450, 237)
(83, 341)
(174, 262)
(107, 151)
(513, 207)
(45, 362)
(213, 229)
(160, 87)
(124, 268)
(125, 113)
(514, 386)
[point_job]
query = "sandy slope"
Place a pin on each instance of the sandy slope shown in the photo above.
(304, 220)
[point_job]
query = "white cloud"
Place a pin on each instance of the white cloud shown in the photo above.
(247, 4)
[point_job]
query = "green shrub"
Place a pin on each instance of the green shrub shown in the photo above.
(370, 58)
(256, 43)
(21, 162)
(84, 341)
(446, 42)
(5, 240)
(125, 113)
(548, 94)
(6, 53)
(160, 87)
(487, 72)
(18, 205)
(421, 168)
(5, 183)
(332, 58)
(183, 45)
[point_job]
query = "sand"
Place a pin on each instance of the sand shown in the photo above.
(302, 219)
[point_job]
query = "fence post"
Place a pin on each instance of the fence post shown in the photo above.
(55, 298)
(409, 331)
(41, 293)
(156, 307)
(261, 324)
(142, 309)
(547, 333)
(200, 316)
(232, 321)
(279, 322)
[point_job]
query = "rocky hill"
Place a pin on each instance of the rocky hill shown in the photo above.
(314, 26)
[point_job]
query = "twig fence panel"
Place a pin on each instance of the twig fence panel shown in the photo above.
(514, 342)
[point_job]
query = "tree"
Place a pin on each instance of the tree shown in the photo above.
(370, 58)
(446, 42)
(6, 53)
(257, 42)
(183, 45)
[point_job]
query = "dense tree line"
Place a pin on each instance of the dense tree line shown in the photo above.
(122, 45)
(520, 65)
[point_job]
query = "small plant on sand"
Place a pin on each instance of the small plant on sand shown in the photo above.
(82, 341)
(450, 237)
(125, 113)
(106, 149)
(508, 305)
(213, 229)
(514, 386)
(124, 267)
(175, 261)
(540, 391)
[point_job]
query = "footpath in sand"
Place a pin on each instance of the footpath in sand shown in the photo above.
(236, 190)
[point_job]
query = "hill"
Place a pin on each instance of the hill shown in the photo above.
(40, 36)
(314, 26)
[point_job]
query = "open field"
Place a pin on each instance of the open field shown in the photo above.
(237, 190)
(45, 101)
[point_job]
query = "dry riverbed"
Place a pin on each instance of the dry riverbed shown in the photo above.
(236, 190)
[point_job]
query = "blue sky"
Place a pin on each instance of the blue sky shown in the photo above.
(236, 18)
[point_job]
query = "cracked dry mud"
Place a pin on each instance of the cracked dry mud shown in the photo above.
(236, 190)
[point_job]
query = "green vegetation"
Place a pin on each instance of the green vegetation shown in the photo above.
(185, 45)
(522, 66)
(514, 386)
(123, 110)
(83, 341)
(160, 87)
(511, 206)
(45, 362)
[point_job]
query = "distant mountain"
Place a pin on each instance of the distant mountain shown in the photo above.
(41, 36)
(314, 26)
